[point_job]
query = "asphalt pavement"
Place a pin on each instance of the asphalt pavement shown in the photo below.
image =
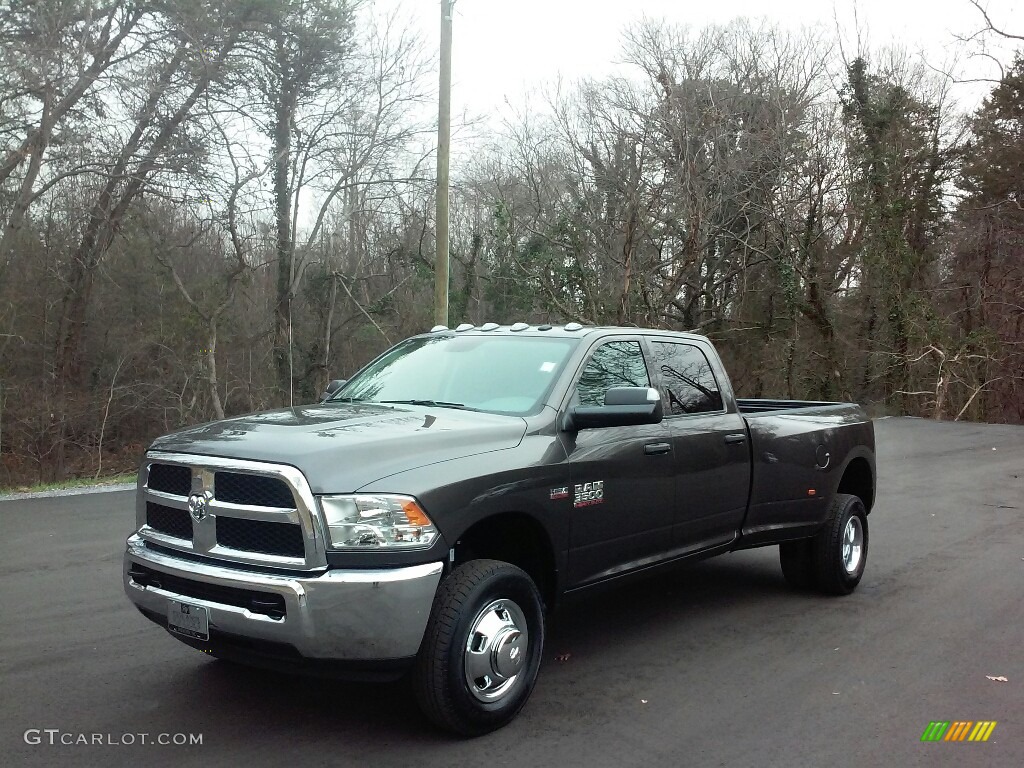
(716, 664)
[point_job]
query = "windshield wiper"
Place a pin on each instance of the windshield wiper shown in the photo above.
(431, 403)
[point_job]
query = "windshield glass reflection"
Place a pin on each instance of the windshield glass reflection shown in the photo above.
(497, 374)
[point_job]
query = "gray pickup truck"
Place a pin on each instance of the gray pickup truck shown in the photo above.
(430, 513)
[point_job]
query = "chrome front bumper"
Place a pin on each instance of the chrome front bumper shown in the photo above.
(343, 615)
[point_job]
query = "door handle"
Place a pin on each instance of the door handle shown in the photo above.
(652, 449)
(736, 438)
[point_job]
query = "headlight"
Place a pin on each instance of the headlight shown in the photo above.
(395, 522)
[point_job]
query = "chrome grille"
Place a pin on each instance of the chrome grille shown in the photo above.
(255, 512)
(260, 536)
(173, 522)
(170, 478)
(254, 490)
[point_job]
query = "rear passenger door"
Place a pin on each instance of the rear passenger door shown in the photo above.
(622, 483)
(711, 449)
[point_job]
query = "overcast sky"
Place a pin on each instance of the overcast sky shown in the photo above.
(503, 48)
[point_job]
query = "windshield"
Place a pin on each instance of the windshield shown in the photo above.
(499, 374)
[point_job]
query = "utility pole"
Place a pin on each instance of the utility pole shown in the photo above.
(444, 135)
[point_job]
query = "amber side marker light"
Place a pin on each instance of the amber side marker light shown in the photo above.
(811, 492)
(414, 514)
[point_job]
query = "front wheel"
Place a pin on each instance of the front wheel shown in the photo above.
(482, 649)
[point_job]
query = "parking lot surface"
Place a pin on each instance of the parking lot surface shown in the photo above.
(717, 663)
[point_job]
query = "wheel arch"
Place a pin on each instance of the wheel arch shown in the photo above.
(858, 479)
(517, 538)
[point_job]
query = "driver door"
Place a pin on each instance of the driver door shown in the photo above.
(622, 486)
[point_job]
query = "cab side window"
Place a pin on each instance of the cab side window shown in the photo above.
(615, 364)
(687, 383)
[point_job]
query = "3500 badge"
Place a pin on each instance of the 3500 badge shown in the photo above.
(586, 494)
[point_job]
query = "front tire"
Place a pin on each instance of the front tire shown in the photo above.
(482, 648)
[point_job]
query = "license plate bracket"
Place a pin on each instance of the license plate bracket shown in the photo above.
(188, 620)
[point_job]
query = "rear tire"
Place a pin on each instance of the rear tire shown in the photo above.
(832, 561)
(797, 561)
(841, 547)
(482, 648)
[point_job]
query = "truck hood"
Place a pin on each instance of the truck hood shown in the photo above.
(341, 447)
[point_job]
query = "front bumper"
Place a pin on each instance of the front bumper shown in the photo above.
(338, 615)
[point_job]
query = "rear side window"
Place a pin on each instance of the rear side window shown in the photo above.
(687, 383)
(615, 364)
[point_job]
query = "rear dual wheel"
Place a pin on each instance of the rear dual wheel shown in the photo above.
(832, 561)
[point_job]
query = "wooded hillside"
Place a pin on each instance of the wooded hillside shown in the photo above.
(210, 208)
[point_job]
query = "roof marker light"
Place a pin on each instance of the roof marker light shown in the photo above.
(543, 327)
(488, 326)
(438, 328)
(573, 327)
(519, 327)
(464, 327)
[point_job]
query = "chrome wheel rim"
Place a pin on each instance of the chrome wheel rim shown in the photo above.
(496, 650)
(853, 545)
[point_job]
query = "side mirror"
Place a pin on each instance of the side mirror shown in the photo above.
(623, 407)
(332, 388)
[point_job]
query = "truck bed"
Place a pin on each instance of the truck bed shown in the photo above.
(750, 406)
(799, 451)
